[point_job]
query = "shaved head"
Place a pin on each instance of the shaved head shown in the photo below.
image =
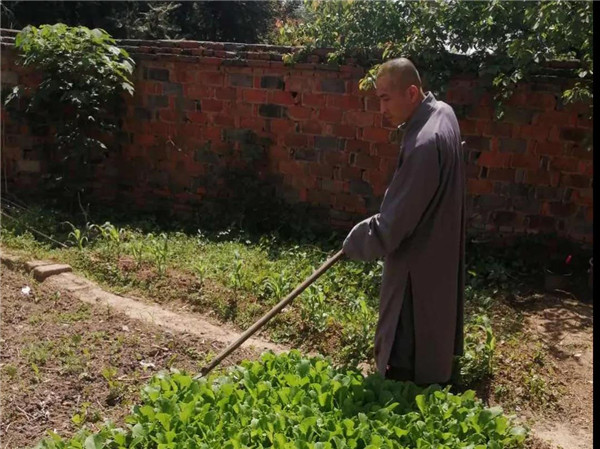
(399, 89)
(402, 73)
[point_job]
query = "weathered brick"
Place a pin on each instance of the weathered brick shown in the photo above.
(506, 218)
(209, 105)
(333, 85)
(158, 101)
(565, 164)
(526, 205)
(518, 146)
(299, 112)
(501, 174)
(490, 202)
(304, 154)
(282, 97)
(549, 148)
(359, 118)
(528, 161)
(477, 143)
(345, 102)
(479, 186)
(540, 222)
(376, 135)
(241, 79)
(156, 74)
(43, 272)
(272, 82)
(172, 89)
(517, 115)
(330, 115)
(576, 181)
(313, 100)
(311, 127)
(360, 187)
(562, 210)
(225, 93)
(254, 95)
(29, 166)
(573, 134)
(272, 110)
(9, 78)
(329, 143)
(537, 177)
(142, 114)
(492, 159)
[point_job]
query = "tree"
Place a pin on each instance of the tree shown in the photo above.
(239, 21)
(507, 41)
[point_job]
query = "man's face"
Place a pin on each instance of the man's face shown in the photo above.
(397, 104)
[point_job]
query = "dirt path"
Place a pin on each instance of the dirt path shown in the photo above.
(65, 363)
(188, 322)
(566, 328)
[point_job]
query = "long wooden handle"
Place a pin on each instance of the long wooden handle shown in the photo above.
(271, 313)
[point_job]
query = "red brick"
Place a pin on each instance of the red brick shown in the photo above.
(580, 152)
(282, 97)
(583, 196)
(254, 95)
(359, 118)
(467, 126)
(211, 78)
(576, 181)
(372, 103)
(145, 139)
(167, 115)
(560, 118)
(293, 168)
(584, 122)
(565, 164)
(345, 102)
(225, 93)
(224, 120)
(586, 168)
(519, 98)
(358, 146)
(197, 116)
(537, 177)
(376, 135)
(541, 100)
(149, 87)
(213, 133)
(387, 149)
(367, 162)
(280, 126)
(252, 123)
(479, 186)
(310, 99)
(296, 140)
(527, 161)
(589, 215)
(196, 91)
(321, 170)
(540, 132)
(501, 174)
(299, 84)
(481, 112)
(493, 159)
(211, 105)
(311, 127)
(299, 112)
(330, 115)
(346, 131)
(549, 148)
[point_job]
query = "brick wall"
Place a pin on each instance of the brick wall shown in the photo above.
(201, 109)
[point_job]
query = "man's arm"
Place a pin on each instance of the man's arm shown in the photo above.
(405, 201)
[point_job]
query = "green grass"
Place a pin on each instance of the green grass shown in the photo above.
(238, 276)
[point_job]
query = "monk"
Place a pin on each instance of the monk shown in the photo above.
(420, 233)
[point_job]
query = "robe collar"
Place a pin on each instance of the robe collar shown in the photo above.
(422, 112)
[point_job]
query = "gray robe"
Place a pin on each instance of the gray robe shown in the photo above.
(420, 232)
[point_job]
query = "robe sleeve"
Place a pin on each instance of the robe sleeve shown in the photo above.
(406, 199)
